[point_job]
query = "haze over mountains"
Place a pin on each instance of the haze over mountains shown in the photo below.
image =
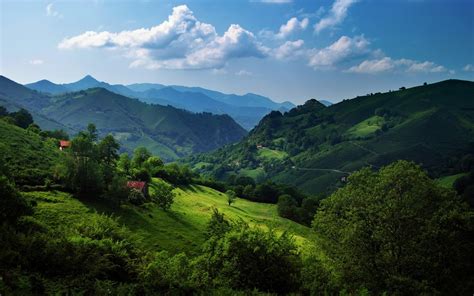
(164, 130)
(247, 110)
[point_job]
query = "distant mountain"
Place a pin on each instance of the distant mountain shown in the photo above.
(247, 110)
(47, 87)
(165, 130)
(313, 146)
(142, 87)
(325, 103)
(14, 96)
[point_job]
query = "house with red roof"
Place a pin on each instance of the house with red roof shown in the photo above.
(63, 144)
(138, 185)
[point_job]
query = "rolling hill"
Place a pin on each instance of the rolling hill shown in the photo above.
(313, 146)
(182, 229)
(166, 131)
(247, 109)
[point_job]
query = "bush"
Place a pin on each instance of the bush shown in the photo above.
(395, 230)
(246, 258)
(12, 204)
(136, 197)
(162, 195)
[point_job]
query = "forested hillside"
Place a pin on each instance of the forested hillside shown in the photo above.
(315, 147)
(167, 131)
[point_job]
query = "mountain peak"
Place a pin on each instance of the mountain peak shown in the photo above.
(88, 78)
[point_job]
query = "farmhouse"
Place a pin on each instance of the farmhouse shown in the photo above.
(63, 144)
(138, 185)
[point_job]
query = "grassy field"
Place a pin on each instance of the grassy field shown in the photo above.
(270, 154)
(366, 127)
(179, 230)
(448, 181)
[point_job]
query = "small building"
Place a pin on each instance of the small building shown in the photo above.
(259, 146)
(63, 144)
(138, 185)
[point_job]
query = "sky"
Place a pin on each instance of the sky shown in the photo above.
(284, 49)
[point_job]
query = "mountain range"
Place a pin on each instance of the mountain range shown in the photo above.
(166, 131)
(247, 110)
(315, 147)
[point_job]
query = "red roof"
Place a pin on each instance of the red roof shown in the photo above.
(64, 143)
(136, 184)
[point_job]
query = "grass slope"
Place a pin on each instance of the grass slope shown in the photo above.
(28, 157)
(182, 229)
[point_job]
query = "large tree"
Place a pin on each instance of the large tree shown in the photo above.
(395, 230)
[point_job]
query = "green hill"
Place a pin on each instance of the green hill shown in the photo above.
(182, 229)
(25, 156)
(427, 124)
(166, 131)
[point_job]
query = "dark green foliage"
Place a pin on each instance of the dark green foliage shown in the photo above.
(22, 118)
(12, 204)
(396, 231)
(163, 195)
(231, 196)
(246, 258)
(140, 155)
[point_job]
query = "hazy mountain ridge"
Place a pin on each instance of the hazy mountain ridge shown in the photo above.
(165, 130)
(246, 109)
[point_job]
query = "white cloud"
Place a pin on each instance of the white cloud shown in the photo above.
(292, 26)
(335, 16)
(50, 11)
(373, 66)
(387, 64)
(181, 42)
(289, 50)
(36, 62)
(340, 51)
(243, 73)
(427, 67)
(468, 68)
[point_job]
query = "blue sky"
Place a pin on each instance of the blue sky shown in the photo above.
(293, 50)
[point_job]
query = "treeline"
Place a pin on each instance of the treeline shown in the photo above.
(391, 232)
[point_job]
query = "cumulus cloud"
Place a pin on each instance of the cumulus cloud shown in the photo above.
(373, 66)
(292, 26)
(50, 11)
(468, 68)
(335, 16)
(36, 62)
(181, 42)
(386, 64)
(340, 51)
(289, 50)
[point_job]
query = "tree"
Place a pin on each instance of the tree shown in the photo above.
(22, 118)
(152, 164)
(163, 195)
(231, 197)
(287, 206)
(108, 150)
(241, 257)
(140, 155)
(396, 231)
(12, 204)
(92, 132)
(124, 164)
